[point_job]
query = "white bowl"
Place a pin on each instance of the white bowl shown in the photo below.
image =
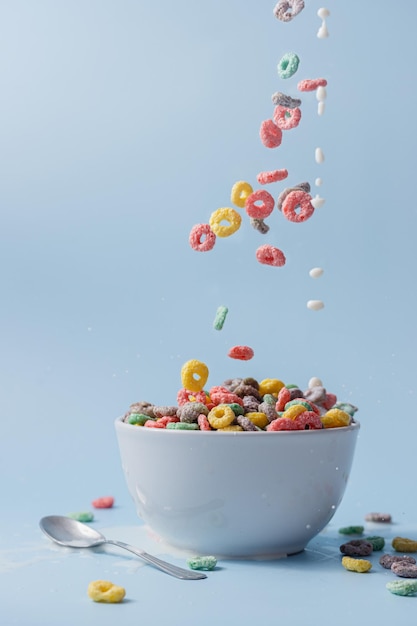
(236, 494)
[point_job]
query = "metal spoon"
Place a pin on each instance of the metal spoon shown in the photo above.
(72, 533)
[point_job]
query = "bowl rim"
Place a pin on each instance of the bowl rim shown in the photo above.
(354, 425)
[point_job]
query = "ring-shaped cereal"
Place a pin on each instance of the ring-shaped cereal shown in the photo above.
(262, 210)
(269, 255)
(297, 199)
(264, 178)
(311, 84)
(241, 353)
(196, 238)
(286, 118)
(225, 214)
(240, 192)
(105, 591)
(270, 134)
(221, 416)
(286, 10)
(194, 375)
(288, 65)
(270, 385)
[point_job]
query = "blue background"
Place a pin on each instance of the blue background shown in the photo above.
(125, 123)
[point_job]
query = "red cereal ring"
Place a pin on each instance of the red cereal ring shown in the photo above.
(270, 134)
(311, 84)
(268, 255)
(242, 353)
(185, 395)
(262, 210)
(203, 422)
(286, 118)
(308, 420)
(282, 423)
(295, 199)
(284, 396)
(274, 176)
(202, 238)
(106, 502)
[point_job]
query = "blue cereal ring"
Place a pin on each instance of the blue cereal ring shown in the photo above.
(288, 65)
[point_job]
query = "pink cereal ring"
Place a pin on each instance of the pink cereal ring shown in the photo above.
(154, 424)
(311, 84)
(185, 395)
(242, 353)
(329, 401)
(203, 422)
(308, 420)
(282, 423)
(295, 199)
(284, 396)
(286, 118)
(270, 134)
(274, 176)
(262, 210)
(268, 255)
(202, 238)
(106, 502)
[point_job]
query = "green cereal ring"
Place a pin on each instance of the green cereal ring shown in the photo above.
(82, 516)
(402, 587)
(182, 426)
(202, 562)
(351, 530)
(220, 317)
(237, 408)
(378, 543)
(299, 401)
(291, 386)
(270, 399)
(138, 419)
(288, 65)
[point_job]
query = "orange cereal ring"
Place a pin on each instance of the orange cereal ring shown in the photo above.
(240, 191)
(286, 118)
(262, 210)
(297, 199)
(221, 416)
(268, 255)
(228, 215)
(194, 375)
(242, 353)
(202, 238)
(270, 134)
(282, 423)
(311, 84)
(274, 176)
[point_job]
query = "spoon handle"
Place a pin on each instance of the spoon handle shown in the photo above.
(173, 570)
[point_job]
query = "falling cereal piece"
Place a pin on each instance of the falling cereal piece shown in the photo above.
(220, 317)
(315, 305)
(264, 178)
(241, 353)
(322, 33)
(286, 10)
(318, 155)
(311, 84)
(317, 201)
(321, 93)
(270, 134)
(316, 272)
(318, 182)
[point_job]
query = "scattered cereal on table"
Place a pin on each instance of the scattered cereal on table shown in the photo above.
(202, 562)
(105, 591)
(351, 530)
(356, 565)
(403, 544)
(82, 516)
(359, 547)
(383, 518)
(386, 560)
(404, 569)
(402, 587)
(105, 502)
(377, 542)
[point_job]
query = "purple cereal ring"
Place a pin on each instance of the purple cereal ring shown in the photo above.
(286, 10)
(404, 569)
(386, 560)
(357, 547)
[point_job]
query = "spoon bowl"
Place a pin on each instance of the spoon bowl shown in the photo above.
(74, 534)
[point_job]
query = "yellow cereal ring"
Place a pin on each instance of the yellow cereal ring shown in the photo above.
(270, 385)
(194, 375)
(402, 544)
(258, 418)
(232, 427)
(356, 565)
(293, 411)
(220, 416)
(240, 191)
(335, 418)
(228, 215)
(105, 591)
